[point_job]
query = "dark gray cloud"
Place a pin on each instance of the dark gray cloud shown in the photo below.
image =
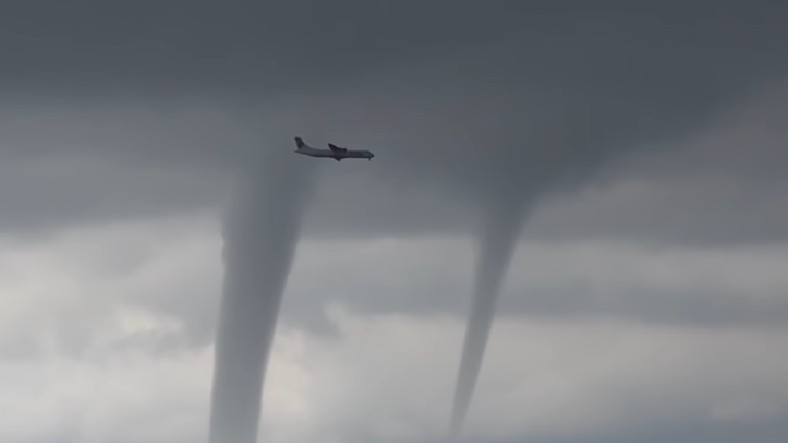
(115, 110)
(191, 48)
(494, 80)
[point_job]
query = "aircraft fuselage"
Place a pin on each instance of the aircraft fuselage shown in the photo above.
(335, 152)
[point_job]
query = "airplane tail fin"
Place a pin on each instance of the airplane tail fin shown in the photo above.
(299, 142)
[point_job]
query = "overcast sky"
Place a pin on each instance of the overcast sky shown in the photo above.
(646, 300)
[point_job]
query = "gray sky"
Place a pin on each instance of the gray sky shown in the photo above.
(647, 297)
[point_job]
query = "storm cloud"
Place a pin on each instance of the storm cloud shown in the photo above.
(646, 135)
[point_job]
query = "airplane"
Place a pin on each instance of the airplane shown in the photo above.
(333, 151)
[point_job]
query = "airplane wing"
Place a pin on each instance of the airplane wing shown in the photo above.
(335, 148)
